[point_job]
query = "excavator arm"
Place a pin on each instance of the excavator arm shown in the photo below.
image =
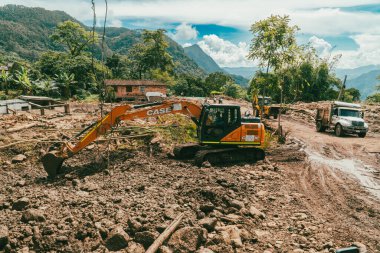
(53, 161)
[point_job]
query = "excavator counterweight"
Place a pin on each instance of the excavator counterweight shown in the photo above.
(221, 131)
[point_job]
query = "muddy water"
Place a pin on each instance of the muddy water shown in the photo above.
(357, 169)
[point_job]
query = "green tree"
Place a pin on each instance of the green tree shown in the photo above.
(353, 93)
(156, 55)
(216, 81)
(5, 79)
(234, 90)
(65, 84)
(273, 42)
(74, 37)
(24, 82)
(138, 63)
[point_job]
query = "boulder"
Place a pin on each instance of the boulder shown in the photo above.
(4, 236)
(117, 239)
(208, 207)
(33, 215)
(20, 204)
(188, 239)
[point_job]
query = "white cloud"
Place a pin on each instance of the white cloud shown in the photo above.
(224, 52)
(323, 47)
(185, 32)
(115, 23)
(368, 52)
(186, 45)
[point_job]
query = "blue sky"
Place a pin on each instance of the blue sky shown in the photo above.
(221, 27)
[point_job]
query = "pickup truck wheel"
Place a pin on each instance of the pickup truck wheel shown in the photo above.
(362, 135)
(319, 126)
(338, 130)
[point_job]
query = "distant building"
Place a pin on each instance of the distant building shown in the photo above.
(136, 90)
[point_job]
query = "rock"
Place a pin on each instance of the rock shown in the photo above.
(254, 212)
(146, 238)
(234, 218)
(20, 204)
(204, 250)
(62, 239)
(89, 187)
(134, 225)
(208, 223)
(4, 236)
(188, 239)
(135, 248)
(164, 249)
(262, 234)
(206, 164)
(18, 158)
(33, 215)
(231, 235)
(208, 207)
(236, 204)
(21, 183)
(117, 239)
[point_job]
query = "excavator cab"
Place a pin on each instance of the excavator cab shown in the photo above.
(217, 121)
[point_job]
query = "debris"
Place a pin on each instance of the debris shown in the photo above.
(20, 204)
(18, 158)
(4, 236)
(188, 239)
(33, 215)
(165, 235)
(117, 239)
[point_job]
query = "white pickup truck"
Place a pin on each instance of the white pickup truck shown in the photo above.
(342, 118)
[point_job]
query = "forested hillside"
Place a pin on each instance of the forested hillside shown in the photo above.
(25, 31)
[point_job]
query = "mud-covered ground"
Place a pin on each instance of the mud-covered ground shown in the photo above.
(316, 193)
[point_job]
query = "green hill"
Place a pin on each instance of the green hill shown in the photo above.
(25, 32)
(202, 59)
(365, 83)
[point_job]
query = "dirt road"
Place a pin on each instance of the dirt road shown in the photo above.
(341, 179)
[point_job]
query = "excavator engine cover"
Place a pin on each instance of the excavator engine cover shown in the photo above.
(52, 164)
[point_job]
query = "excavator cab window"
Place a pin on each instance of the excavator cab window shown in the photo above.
(218, 121)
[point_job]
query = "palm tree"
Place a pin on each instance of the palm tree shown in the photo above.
(65, 83)
(23, 80)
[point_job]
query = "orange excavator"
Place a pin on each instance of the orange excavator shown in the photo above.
(224, 135)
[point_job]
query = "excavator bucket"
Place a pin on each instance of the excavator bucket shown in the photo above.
(52, 164)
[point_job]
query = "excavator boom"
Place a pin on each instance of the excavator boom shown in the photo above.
(52, 161)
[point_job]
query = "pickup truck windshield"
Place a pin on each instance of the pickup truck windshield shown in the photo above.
(349, 113)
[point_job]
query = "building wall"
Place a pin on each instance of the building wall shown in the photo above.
(15, 106)
(122, 92)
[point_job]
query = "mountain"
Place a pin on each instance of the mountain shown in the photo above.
(246, 72)
(366, 83)
(355, 72)
(209, 65)
(202, 59)
(25, 32)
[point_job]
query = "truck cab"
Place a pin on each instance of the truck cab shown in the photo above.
(342, 118)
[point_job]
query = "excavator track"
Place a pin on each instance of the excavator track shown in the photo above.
(186, 151)
(229, 156)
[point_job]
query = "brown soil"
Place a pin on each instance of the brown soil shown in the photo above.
(315, 193)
